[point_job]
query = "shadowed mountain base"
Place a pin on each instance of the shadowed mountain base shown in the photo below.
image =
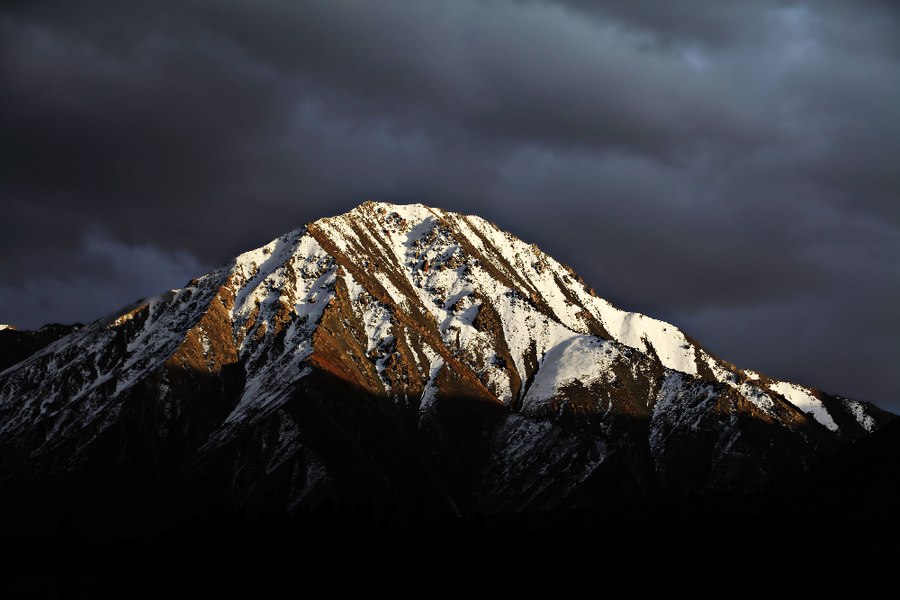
(709, 541)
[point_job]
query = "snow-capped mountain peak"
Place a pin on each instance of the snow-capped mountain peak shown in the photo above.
(394, 352)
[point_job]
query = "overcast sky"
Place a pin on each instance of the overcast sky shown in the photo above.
(730, 167)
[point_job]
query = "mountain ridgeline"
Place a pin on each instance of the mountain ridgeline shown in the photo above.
(395, 356)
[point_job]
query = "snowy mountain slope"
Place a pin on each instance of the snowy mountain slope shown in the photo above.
(395, 353)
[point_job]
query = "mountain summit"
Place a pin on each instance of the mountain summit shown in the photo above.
(394, 356)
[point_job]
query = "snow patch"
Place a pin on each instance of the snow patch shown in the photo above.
(580, 359)
(859, 413)
(803, 399)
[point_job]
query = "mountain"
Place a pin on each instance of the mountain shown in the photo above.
(397, 358)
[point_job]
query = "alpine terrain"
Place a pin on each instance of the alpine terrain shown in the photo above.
(402, 358)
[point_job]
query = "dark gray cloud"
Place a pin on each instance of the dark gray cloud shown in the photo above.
(732, 167)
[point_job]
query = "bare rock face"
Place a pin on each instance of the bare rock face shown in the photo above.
(394, 356)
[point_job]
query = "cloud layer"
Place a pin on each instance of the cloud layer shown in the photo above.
(731, 167)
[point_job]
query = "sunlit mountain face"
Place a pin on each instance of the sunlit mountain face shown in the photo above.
(401, 358)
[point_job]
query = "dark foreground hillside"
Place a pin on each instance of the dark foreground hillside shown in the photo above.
(837, 524)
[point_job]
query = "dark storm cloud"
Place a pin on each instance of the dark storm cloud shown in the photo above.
(733, 167)
(99, 274)
(126, 131)
(530, 73)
